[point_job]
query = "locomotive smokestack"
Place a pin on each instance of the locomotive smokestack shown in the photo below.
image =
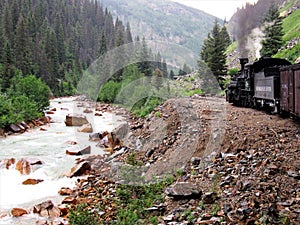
(243, 62)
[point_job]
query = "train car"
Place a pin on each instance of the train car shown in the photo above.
(290, 90)
(267, 83)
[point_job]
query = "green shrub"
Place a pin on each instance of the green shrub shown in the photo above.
(81, 216)
(133, 200)
(145, 106)
(109, 91)
(195, 92)
(33, 88)
(15, 109)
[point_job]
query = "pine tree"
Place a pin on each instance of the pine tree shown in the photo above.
(144, 57)
(22, 47)
(213, 52)
(273, 33)
(171, 75)
(102, 44)
(8, 69)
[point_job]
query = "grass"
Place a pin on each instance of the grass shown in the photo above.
(81, 216)
(134, 200)
(291, 26)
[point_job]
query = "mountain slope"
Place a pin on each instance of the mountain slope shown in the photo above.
(168, 22)
(246, 27)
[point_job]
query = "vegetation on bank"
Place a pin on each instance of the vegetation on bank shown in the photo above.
(25, 99)
(55, 40)
(212, 63)
(291, 28)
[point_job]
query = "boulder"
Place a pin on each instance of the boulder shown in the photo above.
(43, 129)
(84, 151)
(50, 112)
(117, 135)
(71, 143)
(88, 111)
(32, 181)
(63, 209)
(25, 125)
(17, 212)
(183, 190)
(209, 197)
(104, 142)
(47, 209)
(65, 191)
(69, 200)
(14, 128)
(85, 128)
(23, 166)
(36, 162)
(79, 170)
(98, 136)
(9, 162)
(75, 120)
(45, 119)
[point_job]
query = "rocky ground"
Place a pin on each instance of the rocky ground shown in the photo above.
(229, 165)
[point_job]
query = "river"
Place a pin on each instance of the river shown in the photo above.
(49, 146)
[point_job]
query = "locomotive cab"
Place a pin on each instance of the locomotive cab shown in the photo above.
(240, 90)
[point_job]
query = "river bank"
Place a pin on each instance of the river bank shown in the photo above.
(228, 165)
(47, 145)
(224, 164)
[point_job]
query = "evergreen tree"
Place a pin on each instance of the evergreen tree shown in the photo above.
(8, 70)
(144, 57)
(164, 68)
(213, 52)
(22, 47)
(273, 33)
(102, 44)
(56, 40)
(171, 75)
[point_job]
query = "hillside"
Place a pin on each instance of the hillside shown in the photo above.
(182, 29)
(246, 29)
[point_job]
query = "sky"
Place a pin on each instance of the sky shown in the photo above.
(220, 8)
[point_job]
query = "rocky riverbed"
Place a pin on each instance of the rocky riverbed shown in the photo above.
(229, 165)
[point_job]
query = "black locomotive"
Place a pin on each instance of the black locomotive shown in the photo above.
(272, 84)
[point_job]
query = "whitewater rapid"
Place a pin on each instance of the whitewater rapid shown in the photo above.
(48, 146)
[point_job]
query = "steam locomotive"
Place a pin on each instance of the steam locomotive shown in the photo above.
(272, 84)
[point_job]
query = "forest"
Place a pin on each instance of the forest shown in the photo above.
(52, 43)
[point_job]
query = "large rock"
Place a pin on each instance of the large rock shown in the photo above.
(9, 162)
(17, 212)
(23, 166)
(65, 191)
(32, 181)
(75, 120)
(86, 128)
(116, 137)
(14, 128)
(47, 209)
(84, 151)
(183, 190)
(69, 200)
(98, 136)
(79, 170)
